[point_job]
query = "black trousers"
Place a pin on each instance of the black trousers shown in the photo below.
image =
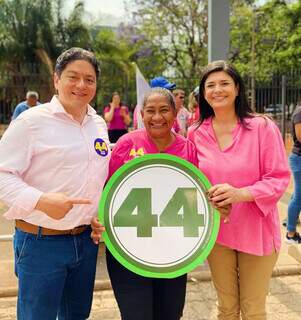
(115, 134)
(142, 298)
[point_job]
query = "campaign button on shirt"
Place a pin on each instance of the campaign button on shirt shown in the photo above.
(101, 147)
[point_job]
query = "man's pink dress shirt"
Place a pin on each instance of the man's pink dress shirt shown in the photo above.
(46, 150)
(256, 159)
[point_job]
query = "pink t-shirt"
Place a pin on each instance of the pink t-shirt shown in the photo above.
(117, 122)
(256, 159)
(138, 143)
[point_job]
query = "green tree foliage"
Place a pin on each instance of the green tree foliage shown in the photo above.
(117, 72)
(77, 34)
(179, 28)
(32, 36)
(240, 36)
(24, 29)
(165, 37)
(34, 33)
(117, 50)
(289, 56)
(276, 31)
(145, 53)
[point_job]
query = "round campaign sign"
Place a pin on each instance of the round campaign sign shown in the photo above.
(158, 220)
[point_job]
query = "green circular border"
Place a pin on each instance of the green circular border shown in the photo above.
(164, 272)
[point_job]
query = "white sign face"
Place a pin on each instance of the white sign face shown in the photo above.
(158, 220)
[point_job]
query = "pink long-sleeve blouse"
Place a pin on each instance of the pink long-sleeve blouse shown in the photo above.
(256, 159)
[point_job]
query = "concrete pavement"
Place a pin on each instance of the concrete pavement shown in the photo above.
(283, 302)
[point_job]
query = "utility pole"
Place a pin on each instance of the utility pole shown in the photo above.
(218, 29)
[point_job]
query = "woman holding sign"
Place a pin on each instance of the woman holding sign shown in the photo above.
(243, 156)
(142, 297)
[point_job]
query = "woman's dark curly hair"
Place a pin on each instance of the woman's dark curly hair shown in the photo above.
(242, 108)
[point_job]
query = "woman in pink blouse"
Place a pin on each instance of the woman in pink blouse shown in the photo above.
(243, 156)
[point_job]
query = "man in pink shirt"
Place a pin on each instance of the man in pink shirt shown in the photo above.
(53, 165)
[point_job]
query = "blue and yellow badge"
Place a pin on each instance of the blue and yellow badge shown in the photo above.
(101, 147)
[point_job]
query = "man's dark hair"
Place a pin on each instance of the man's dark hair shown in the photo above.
(74, 54)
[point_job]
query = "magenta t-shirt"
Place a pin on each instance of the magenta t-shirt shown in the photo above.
(117, 121)
(138, 143)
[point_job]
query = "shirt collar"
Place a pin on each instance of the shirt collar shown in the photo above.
(91, 111)
(57, 107)
(207, 122)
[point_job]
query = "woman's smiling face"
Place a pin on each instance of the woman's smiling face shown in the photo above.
(220, 90)
(158, 116)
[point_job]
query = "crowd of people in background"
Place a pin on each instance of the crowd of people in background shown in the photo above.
(118, 116)
(120, 121)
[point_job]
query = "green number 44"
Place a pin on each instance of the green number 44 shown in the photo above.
(180, 211)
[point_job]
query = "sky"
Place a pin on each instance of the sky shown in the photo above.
(99, 8)
(110, 12)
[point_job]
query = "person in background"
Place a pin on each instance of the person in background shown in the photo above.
(118, 118)
(182, 113)
(193, 107)
(32, 98)
(249, 172)
(53, 165)
(294, 207)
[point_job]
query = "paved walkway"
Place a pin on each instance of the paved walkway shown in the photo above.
(283, 303)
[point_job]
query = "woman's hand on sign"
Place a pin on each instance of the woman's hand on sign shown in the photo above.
(97, 230)
(224, 194)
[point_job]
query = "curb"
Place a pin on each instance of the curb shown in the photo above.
(194, 276)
